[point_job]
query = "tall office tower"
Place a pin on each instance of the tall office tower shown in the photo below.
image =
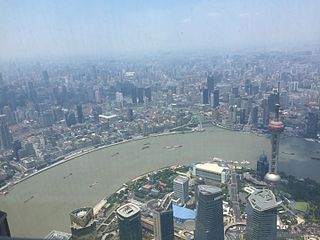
(140, 94)
(209, 221)
(5, 135)
(181, 188)
(243, 117)
(147, 93)
(9, 114)
(254, 116)
(130, 115)
(163, 224)
(80, 114)
(45, 77)
(272, 100)
(216, 98)
(265, 116)
(247, 87)
(312, 124)
(205, 96)
(210, 83)
(235, 91)
(262, 166)
(134, 94)
(129, 221)
(262, 215)
(83, 225)
(70, 118)
(275, 127)
(31, 92)
(4, 226)
(1, 80)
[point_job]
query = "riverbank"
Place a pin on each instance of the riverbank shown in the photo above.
(5, 189)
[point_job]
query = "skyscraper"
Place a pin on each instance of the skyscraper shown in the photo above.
(254, 116)
(140, 93)
(1, 79)
(129, 220)
(205, 96)
(265, 117)
(312, 124)
(262, 215)
(45, 77)
(5, 135)
(83, 226)
(181, 188)
(80, 114)
(4, 226)
(163, 224)
(147, 93)
(210, 83)
(275, 127)
(216, 98)
(262, 166)
(209, 221)
(134, 94)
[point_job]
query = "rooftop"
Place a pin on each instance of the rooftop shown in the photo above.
(181, 179)
(208, 189)
(56, 235)
(128, 210)
(81, 212)
(263, 200)
(212, 167)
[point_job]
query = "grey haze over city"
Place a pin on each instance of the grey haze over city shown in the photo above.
(160, 120)
(81, 28)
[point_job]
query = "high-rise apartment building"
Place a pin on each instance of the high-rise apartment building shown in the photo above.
(181, 188)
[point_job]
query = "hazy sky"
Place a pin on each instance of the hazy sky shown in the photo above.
(30, 28)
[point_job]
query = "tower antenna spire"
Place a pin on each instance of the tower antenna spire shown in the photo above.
(277, 106)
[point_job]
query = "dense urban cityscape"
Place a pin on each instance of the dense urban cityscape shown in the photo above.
(54, 113)
(160, 120)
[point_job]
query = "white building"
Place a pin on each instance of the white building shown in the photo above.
(217, 172)
(181, 188)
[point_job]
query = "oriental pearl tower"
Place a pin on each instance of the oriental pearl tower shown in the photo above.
(276, 127)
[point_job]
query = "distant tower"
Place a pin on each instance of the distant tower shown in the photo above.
(148, 93)
(209, 222)
(129, 220)
(181, 188)
(1, 79)
(276, 127)
(5, 135)
(262, 215)
(83, 225)
(163, 224)
(80, 114)
(205, 96)
(262, 166)
(210, 83)
(216, 98)
(45, 77)
(4, 226)
(312, 124)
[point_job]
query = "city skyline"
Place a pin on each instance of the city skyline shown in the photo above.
(79, 28)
